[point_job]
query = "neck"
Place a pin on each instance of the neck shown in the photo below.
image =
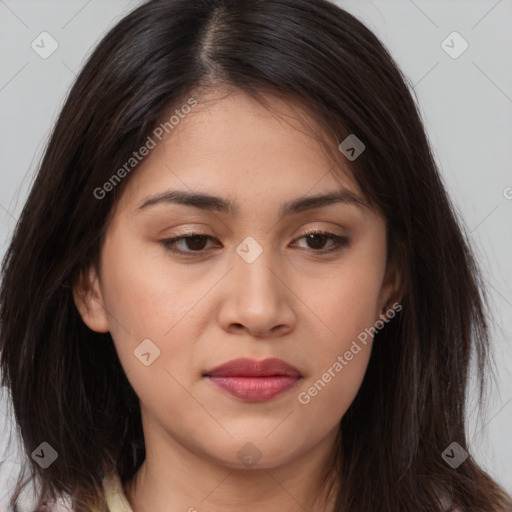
(194, 483)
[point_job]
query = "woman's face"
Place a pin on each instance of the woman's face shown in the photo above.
(251, 285)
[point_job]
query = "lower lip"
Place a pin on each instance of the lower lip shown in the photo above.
(255, 389)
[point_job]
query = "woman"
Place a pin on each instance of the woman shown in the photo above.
(222, 292)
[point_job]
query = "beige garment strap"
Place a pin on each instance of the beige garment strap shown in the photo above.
(116, 498)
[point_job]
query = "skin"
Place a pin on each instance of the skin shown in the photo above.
(290, 303)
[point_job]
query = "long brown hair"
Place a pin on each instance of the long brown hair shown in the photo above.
(67, 385)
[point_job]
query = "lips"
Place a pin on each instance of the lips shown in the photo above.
(254, 381)
(251, 368)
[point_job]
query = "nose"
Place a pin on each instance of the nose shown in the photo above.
(258, 299)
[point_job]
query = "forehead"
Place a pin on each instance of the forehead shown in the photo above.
(232, 145)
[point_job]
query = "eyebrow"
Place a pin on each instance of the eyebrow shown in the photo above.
(209, 202)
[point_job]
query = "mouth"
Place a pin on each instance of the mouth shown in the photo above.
(254, 381)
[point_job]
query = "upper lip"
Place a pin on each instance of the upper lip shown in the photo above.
(245, 367)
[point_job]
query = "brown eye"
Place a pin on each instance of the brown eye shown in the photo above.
(193, 243)
(196, 243)
(316, 241)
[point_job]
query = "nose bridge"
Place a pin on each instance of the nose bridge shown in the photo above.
(255, 273)
(256, 298)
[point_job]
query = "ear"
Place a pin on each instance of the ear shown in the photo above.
(89, 300)
(393, 286)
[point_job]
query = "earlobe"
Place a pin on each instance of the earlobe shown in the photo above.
(89, 300)
(393, 289)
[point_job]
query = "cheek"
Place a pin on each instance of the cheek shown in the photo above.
(344, 300)
(152, 333)
(146, 299)
(340, 361)
(352, 294)
(347, 310)
(143, 286)
(329, 393)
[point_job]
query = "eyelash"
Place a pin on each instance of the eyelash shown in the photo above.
(339, 243)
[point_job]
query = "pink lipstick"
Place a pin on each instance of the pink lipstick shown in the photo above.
(254, 381)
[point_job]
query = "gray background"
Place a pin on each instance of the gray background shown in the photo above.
(466, 103)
